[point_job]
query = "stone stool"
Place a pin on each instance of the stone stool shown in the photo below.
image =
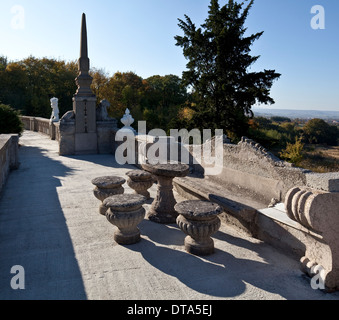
(106, 187)
(125, 211)
(140, 181)
(199, 220)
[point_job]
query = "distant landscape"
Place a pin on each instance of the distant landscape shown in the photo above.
(297, 114)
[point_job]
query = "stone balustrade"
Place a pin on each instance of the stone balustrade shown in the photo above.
(41, 125)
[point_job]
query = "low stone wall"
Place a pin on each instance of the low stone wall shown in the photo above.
(64, 133)
(8, 156)
(42, 125)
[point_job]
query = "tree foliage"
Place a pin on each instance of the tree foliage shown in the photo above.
(10, 121)
(29, 84)
(218, 65)
(318, 131)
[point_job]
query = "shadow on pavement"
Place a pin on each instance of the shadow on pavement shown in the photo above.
(34, 234)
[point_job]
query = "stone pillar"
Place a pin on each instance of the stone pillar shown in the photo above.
(318, 211)
(84, 102)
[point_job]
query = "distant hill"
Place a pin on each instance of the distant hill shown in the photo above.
(293, 114)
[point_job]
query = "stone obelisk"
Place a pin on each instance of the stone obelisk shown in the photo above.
(84, 102)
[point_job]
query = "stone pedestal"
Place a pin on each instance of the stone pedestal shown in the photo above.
(140, 181)
(199, 220)
(66, 137)
(125, 212)
(106, 187)
(86, 140)
(162, 209)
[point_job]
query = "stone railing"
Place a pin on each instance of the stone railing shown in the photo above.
(64, 132)
(42, 125)
(8, 156)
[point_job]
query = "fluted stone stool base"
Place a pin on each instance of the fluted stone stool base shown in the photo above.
(125, 212)
(199, 248)
(127, 238)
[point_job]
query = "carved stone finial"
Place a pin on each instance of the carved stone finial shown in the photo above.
(127, 120)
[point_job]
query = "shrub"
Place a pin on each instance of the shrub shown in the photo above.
(10, 121)
(293, 152)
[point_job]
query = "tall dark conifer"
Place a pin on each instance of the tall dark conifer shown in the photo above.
(218, 55)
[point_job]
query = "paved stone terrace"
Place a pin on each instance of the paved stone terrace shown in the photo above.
(50, 225)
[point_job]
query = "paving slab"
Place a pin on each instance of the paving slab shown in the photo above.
(50, 225)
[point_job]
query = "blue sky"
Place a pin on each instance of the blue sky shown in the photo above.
(138, 36)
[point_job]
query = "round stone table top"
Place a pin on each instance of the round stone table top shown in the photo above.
(108, 182)
(139, 175)
(124, 201)
(198, 210)
(169, 170)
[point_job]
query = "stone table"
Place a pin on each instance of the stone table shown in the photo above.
(107, 186)
(140, 181)
(162, 209)
(125, 211)
(199, 220)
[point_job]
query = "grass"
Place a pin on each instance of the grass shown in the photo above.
(320, 158)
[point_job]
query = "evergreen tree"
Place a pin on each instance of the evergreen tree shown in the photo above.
(219, 58)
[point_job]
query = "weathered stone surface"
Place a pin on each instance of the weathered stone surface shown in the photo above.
(108, 182)
(105, 187)
(199, 220)
(126, 212)
(140, 181)
(323, 181)
(120, 202)
(169, 170)
(198, 210)
(139, 175)
(9, 144)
